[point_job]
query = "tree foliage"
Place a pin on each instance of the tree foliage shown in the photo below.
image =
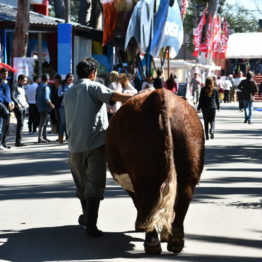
(239, 19)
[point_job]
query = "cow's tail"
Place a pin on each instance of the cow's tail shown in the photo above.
(162, 214)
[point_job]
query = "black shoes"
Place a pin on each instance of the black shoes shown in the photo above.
(19, 144)
(6, 146)
(89, 218)
(248, 121)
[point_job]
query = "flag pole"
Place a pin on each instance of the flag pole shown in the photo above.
(168, 61)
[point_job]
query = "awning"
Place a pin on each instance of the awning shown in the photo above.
(244, 45)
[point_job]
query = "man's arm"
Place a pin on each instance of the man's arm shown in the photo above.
(120, 97)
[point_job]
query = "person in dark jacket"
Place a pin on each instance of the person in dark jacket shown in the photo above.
(158, 81)
(209, 103)
(249, 88)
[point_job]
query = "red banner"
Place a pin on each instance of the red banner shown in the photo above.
(198, 33)
(224, 39)
(217, 36)
(110, 15)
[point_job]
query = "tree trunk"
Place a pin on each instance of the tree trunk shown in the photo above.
(20, 38)
(212, 7)
(59, 6)
(84, 6)
(96, 9)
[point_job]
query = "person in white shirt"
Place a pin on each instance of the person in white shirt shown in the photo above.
(239, 77)
(117, 87)
(21, 104)
(226, 85)
(30, 93)
(148, 84)
(126, 85)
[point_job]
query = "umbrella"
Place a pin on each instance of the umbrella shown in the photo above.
(8, 67)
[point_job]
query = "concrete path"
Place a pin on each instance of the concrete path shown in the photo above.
(39, 212)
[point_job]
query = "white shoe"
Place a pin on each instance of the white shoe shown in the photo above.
(2, 147)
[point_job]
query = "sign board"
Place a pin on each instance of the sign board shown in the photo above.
(24, 66)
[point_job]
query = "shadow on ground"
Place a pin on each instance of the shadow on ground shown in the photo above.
(71, 243)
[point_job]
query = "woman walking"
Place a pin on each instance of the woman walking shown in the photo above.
(209, 103)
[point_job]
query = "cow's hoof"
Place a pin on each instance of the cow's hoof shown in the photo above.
(175, 244)
(82, 220)
(153, 248)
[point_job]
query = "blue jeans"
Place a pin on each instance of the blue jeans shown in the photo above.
(1, 126)
(62, 123)
(248, 108)
(42, 125)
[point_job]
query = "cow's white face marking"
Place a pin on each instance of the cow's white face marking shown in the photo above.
(124, 181)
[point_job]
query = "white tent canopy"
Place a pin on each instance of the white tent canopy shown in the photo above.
(244, 45)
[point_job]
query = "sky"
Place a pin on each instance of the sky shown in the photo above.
(249, 5)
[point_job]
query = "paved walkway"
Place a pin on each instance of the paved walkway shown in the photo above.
(38, 210)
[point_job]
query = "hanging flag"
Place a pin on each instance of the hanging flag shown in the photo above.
(224, 39)
(184, 6)
(198, 33)
(173, 31)
(110, 15)
(141, 24)
(217, 36)
(206, 46)
(159, 26)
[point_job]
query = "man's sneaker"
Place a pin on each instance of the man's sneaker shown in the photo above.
(249, 121)
(2, 147)
(6, 146)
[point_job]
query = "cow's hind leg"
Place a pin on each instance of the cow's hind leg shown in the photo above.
(175, 242)
(140, 220)
(152, 243)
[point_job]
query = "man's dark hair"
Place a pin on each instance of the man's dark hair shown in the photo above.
(58, 77)
(3, 70)
(35, 77)
(21, 77)
(250, 75)
(159, 72)
(86, 66)
(45, 77)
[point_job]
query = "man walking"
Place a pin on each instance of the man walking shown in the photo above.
(86, 118)
(44, 105)
(196, 87)
(249, 88)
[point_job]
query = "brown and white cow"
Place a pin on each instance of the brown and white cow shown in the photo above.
(154, 149)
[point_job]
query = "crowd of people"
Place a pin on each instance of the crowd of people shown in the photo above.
(224, 89)
(43, 102)
(37, 99)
